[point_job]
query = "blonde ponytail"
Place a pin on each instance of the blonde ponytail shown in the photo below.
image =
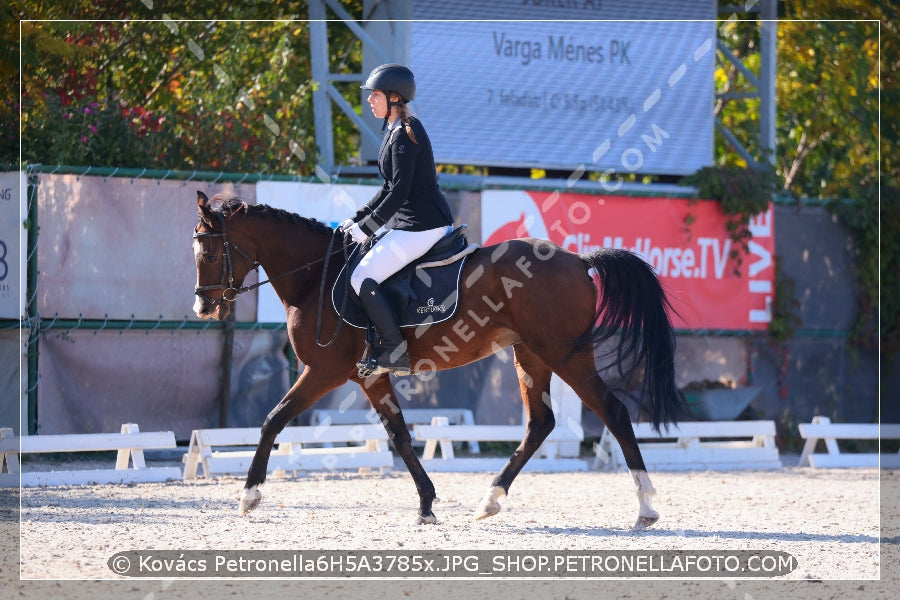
(403, 115)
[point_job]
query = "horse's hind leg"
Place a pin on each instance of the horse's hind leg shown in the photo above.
(581, 374)
(534, 383)
(381, 396)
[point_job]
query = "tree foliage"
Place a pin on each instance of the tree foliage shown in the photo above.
(832, 66)
(227, 93)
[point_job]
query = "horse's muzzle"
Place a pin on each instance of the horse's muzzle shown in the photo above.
(207, 308)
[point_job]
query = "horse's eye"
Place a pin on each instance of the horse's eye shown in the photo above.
(210, 258)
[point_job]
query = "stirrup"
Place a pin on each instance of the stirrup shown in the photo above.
(368, 367)
(368, 364)
(375, 355)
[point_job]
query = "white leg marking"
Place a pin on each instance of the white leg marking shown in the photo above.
(645, 492)
(489, 505)
(250, 499)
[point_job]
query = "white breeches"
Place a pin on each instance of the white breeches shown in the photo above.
(394, 251)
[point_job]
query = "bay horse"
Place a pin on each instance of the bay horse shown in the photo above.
(554, 307)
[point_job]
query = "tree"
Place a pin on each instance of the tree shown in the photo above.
(229, 95)
(828, 83)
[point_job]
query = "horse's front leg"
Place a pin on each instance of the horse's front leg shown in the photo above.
(381, 396)
(303, 394)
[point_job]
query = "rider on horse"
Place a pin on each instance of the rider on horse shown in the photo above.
(410, 205)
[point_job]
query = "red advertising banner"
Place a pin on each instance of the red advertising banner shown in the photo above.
(684, 240)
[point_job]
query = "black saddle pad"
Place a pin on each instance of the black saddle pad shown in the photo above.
(420, 296)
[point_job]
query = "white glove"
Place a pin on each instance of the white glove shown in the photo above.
(347, 224)
(358, 234)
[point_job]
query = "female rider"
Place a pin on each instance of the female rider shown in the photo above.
(409, 205)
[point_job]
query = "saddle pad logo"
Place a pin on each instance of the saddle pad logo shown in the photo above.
(431, 307)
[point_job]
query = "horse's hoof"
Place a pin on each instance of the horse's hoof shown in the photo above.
(489, 506)
(250, 499)
(644, 523)
(487, 509)
(426, 520)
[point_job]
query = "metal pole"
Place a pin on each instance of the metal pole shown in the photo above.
(768, 51)
(31, 299)
(166, 174)
(318, 47)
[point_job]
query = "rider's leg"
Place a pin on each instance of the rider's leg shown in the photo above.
(394, 250)
(390, 347)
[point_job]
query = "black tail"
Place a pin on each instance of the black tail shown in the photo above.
(633, 305)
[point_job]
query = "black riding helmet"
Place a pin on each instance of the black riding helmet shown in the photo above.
(389, 78)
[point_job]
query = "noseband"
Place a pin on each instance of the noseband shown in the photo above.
(227, 282)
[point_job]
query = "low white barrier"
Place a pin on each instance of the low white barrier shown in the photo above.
(130, 444)
(441, 433)
(297, 449)
(412, 416)
(823, 429)
(697, 445)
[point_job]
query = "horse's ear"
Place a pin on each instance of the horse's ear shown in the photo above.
(205, 208)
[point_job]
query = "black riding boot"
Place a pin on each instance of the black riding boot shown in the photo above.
(389, 350)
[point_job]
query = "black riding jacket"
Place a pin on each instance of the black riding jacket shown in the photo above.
(410, 198)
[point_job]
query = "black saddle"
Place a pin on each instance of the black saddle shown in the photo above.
(425, 291)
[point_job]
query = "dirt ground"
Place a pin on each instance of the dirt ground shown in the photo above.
(828, 520)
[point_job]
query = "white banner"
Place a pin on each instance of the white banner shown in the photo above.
(13, 237)
(625, 96)
(328, 203)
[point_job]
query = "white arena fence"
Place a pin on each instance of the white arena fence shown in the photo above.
(706, 445)
(129, 444)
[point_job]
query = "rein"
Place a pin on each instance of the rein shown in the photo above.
(340, 320)
(227, 284)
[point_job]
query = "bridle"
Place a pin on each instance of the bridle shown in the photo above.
(227, 280)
